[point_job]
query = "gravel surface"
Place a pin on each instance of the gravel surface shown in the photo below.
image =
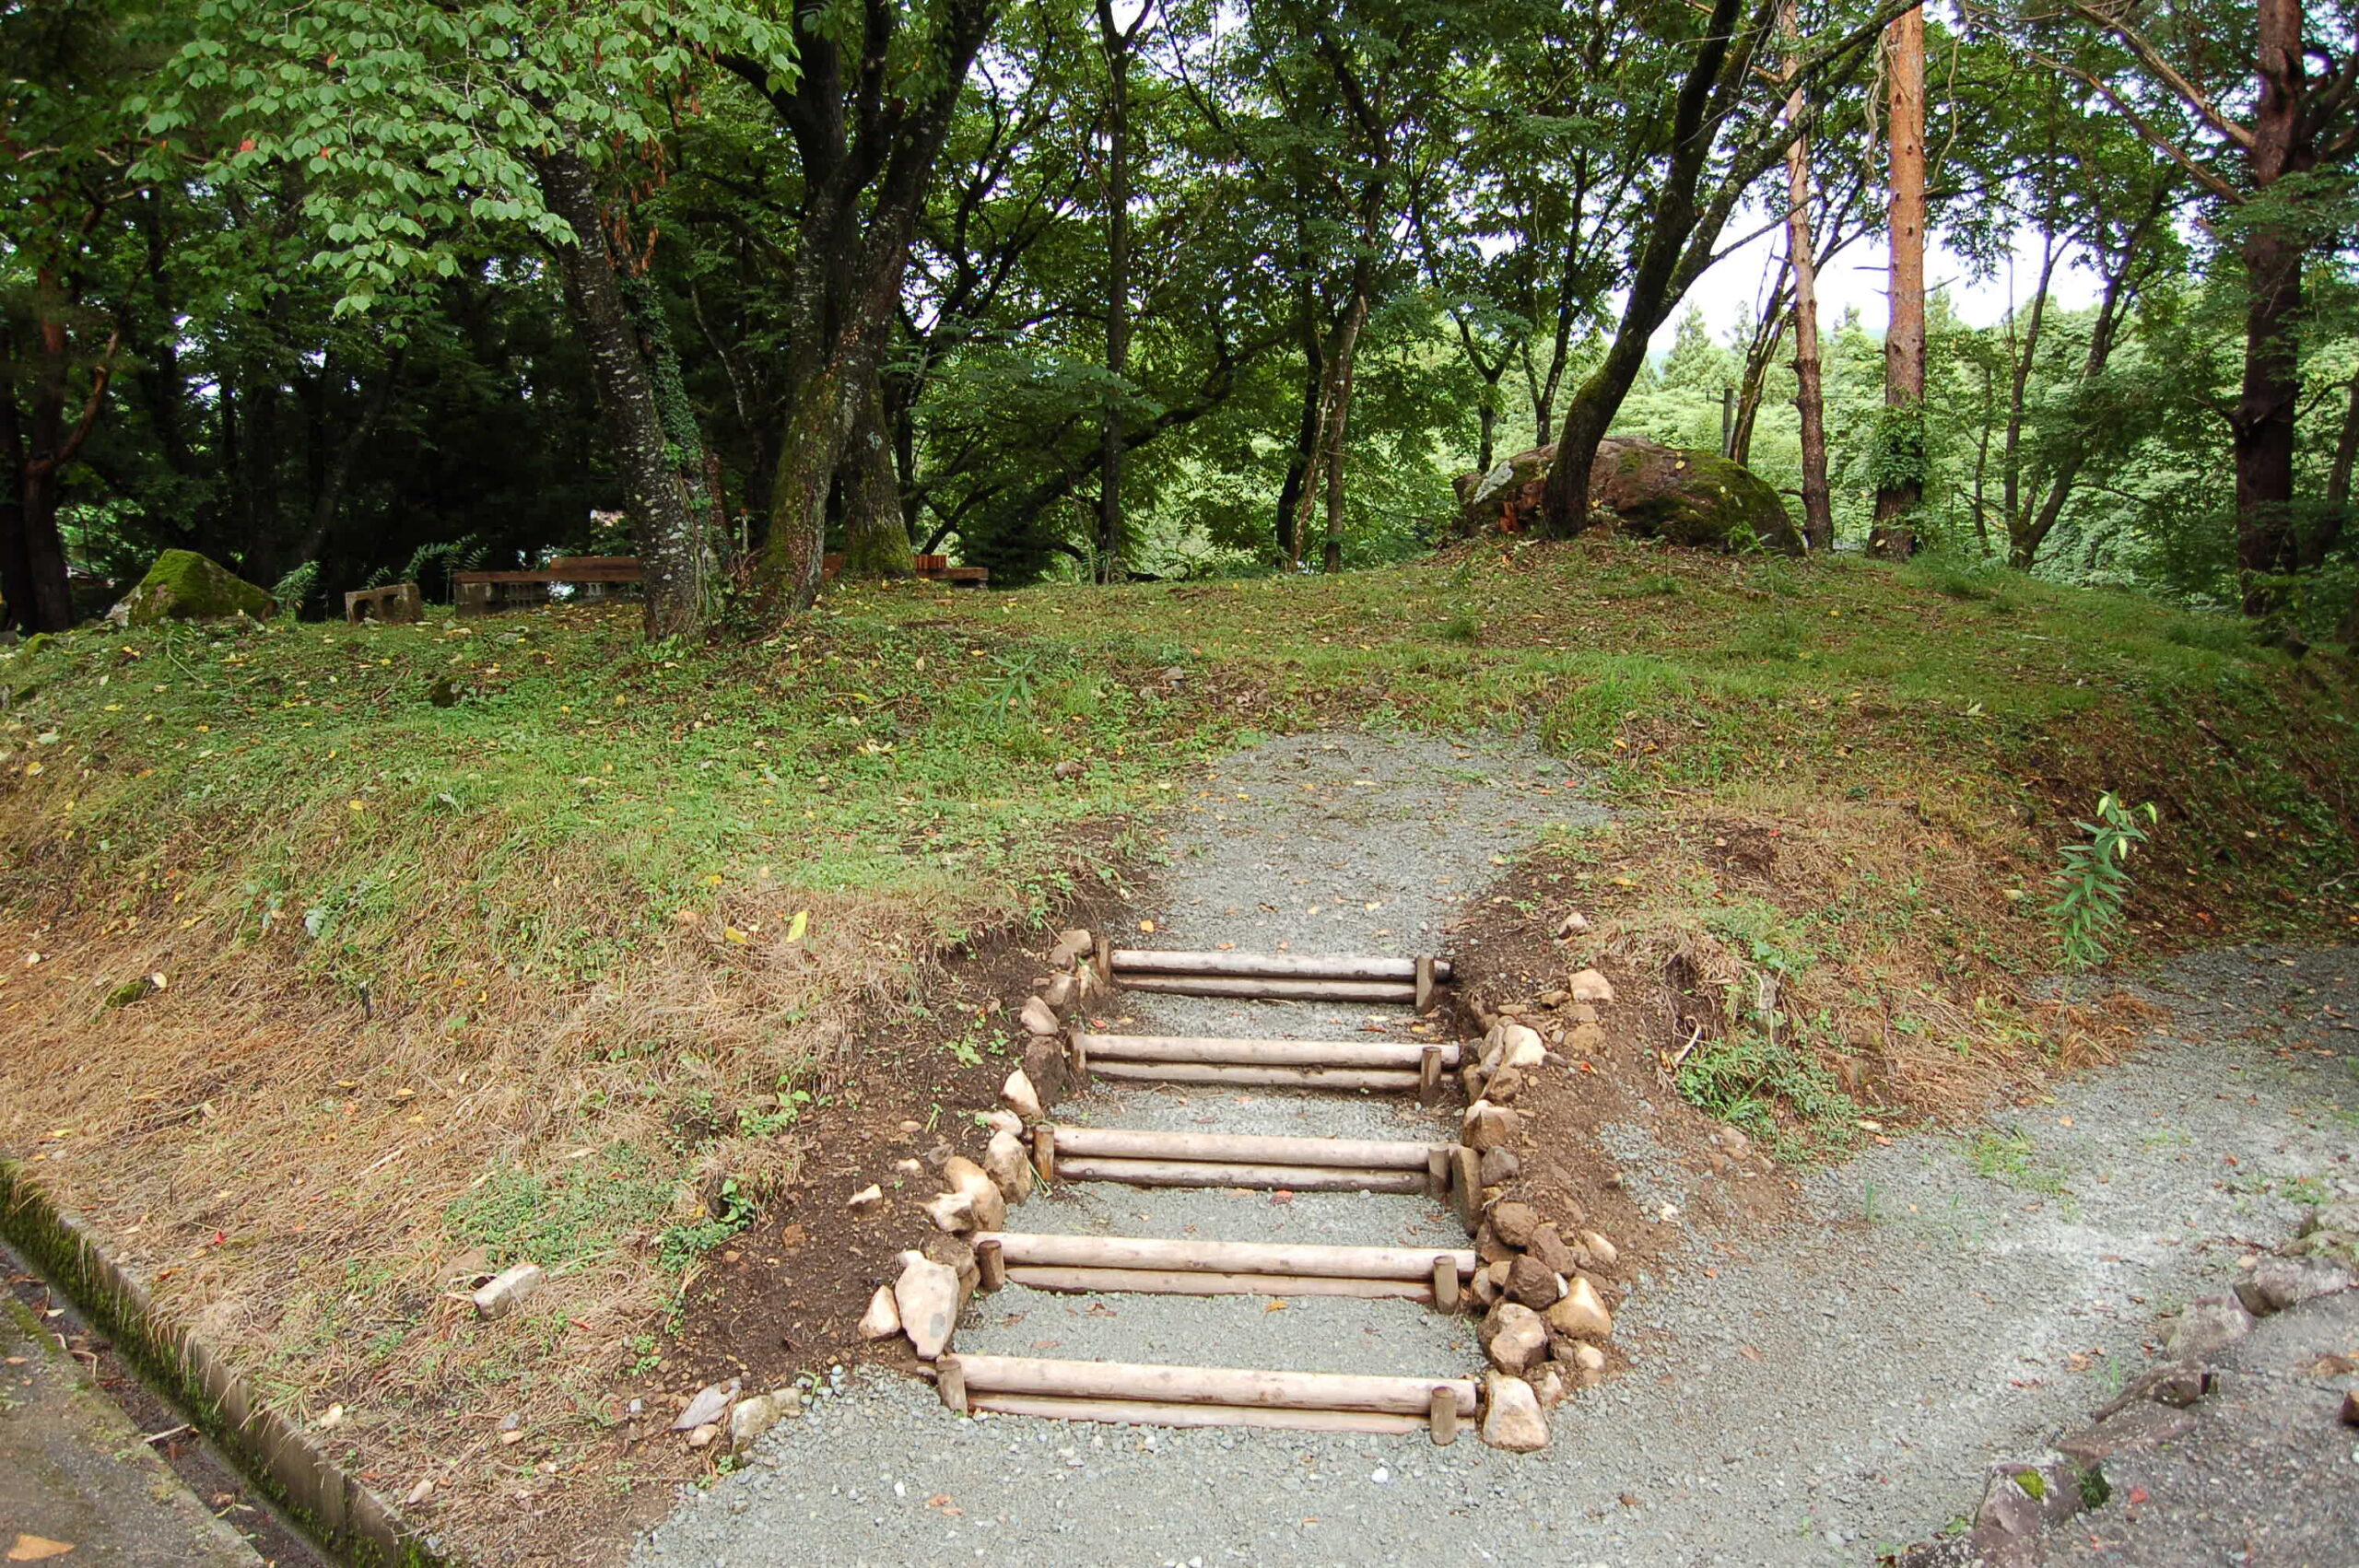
(1814, 1395)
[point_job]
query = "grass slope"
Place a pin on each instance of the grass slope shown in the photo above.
(346, 961)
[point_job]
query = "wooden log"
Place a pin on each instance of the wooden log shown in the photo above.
(1379, 1078)
(991, 1263)
(1374, 1153)
(1212, 1385)
(1273, 965)
(1427, 974)
(1149, 1412)
(1444, 1285)
(1201, 1173)
(1438, 1175)
(1044, 1152)
(1202, 1282)
(1397, 1055)
(1102, 955)
(1441, 1419)
(950, 1382)
(1466, 1184)
(1039, 1247)
(1373, 992)
(1429, 1070)
(1077, 1050)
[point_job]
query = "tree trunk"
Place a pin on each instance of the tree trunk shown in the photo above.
(1810, 402)
(1116, 44)
(47, 439)
(2262, 431)
(1346, 356)
(1306, 443)
(671, 542)
(2320, 541)
(2021, 363)
(876, 535)
(1902, 487)
(338, 473)
(1767, 333)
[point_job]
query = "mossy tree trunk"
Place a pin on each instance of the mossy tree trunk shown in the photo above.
(876, 534)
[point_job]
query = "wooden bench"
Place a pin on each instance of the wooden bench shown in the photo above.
(398, 603)
(483, 593)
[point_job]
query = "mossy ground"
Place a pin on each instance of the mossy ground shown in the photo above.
(580, 949)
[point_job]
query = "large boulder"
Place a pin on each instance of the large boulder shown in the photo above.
(185, 586)
(1696, 499)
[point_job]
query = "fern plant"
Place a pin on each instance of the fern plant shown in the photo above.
(2094, 883)
(294, 590)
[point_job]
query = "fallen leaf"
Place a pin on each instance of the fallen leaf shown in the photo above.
(38, 1549)
(1748, 1353)
(710, 1400)
(2137, 1494)
(798, 925)
(1275, 1306)
(1282, 1195)
(1146, 925)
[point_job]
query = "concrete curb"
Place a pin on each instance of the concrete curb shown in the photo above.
(332, 1505)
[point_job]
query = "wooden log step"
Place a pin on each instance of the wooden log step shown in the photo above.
(1206, 1173)
(1201, 1282)
(1372, 1153)
(1055, 1377)
(1149, 1412)
(1270, 965)
(1402, 1055)
(1036, 1248)
(1257, 1077)
(1374, 992)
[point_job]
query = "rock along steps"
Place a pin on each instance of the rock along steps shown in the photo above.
(1201, 1396)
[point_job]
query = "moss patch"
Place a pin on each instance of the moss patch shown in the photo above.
(185, 586)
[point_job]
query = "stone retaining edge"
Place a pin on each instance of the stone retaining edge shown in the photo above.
(339, 1512)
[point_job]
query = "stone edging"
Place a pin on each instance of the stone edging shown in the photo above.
(333, 1506)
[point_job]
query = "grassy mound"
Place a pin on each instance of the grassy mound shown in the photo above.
(345, 962)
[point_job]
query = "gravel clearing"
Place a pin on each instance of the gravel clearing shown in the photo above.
(1825, 1391)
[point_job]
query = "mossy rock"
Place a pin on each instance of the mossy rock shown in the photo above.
(1696, 499)
(185, 586)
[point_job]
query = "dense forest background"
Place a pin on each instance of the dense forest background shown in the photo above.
(363, 291)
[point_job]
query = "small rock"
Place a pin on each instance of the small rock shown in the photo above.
(1039, 1018)
(1580, 1012)
(1512, 1418)
(984, 1198)
(1018, 1095)
(703, 1435)
(1008, 1165)
(707, 1406)
(1588, 1358)
(926, 1296)
(1488, 1126)
(1514, 1223)
(951, 1212)
(1738, 1145)
(883, 1318)
(1004, 1121)
(1581, 1314)
(1532, 1283)
(1499, 1165)
(1503, 1086)
(1550, 1249)
(2146, 1426)
(751, 1418)
(2277, 1284)
(2342, 1214)
(1573, 924)
(866, 1200)
(504, 1291)
(1484, 1288)
(2349, 1414)
(1548, 1384)
(1591, 986)
(1520, 1047)
(908, 1167)
(1070, 946)
(958, 1255)
(1488, 1247)
(1047, 1066)
(1514, 1337)
(1599, 1248)
(1069, 768)
(2209, 1323)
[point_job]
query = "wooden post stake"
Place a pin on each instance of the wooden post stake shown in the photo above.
(1437, 1174)
(1429, 1076)
(1466, 1176)
(1424, 984)
(1104, 960)
(1044, 1152)
(990, 1262)
(950, 1381)
(1076, 1054)
(1442, 1421)
(1445, 1284)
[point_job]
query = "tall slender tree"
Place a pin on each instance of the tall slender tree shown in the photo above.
(1900, 453)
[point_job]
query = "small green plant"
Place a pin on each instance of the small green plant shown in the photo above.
(1460, 627)
(2007, 1157)
(293, 591)
(2094, 883)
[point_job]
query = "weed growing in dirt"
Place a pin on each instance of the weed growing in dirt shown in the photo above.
(2094, 883)
(1747, 1075)
(2007, 1156)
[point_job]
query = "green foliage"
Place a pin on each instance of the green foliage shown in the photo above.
(2094, 882)
(293, 592)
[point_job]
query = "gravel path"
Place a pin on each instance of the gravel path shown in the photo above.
(1821, 1394)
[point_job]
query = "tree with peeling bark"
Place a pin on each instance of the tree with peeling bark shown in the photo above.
(1723, 128)
(2260, 108)
(1900, 446)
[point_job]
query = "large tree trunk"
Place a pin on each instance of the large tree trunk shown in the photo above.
(2262, 430)
(2321, 539)
(1305, 443)
(1338, 422)
(1901, 489)
(876, 535)
(672, 547)
(46, 442)
(2023, 358)
(1116, 44)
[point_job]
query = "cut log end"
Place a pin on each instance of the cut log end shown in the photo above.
(1441, 1419)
